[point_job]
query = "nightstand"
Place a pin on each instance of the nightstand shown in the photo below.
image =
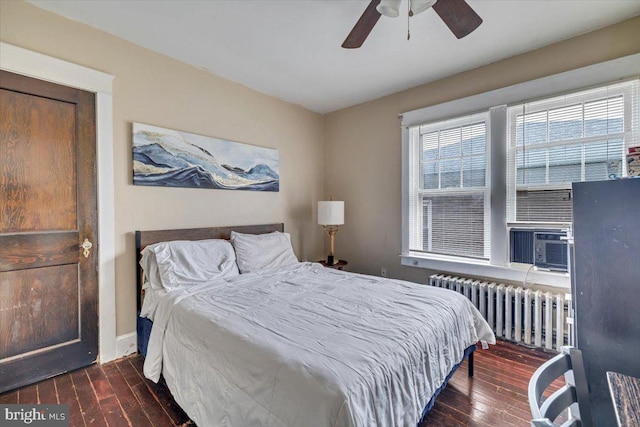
(338, 265)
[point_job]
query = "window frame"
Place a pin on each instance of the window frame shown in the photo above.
(418, 192)
(578, 97)
(498, 266)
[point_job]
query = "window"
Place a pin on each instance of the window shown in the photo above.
(468, 179)
(449, 192)
(560, 140)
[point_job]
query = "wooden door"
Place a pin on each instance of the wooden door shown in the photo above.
(48, 289)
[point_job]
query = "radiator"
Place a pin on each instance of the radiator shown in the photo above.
(531, 317)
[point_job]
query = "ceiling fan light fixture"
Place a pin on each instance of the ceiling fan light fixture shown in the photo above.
(389, 8)
(419, 6)
(457, 15)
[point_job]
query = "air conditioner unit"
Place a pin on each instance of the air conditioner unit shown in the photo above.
(544, 248)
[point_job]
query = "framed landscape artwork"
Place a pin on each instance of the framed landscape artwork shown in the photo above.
(170, 158)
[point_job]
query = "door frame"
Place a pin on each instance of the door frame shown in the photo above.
(32, 64)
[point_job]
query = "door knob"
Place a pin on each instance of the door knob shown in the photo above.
(86, 246)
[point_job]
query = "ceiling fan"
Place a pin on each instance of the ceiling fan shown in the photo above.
(456, 14)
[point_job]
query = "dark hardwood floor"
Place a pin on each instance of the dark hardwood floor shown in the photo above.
(117, 394)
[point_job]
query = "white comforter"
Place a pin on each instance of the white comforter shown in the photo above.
(309, 346)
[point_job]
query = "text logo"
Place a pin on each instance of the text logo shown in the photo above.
(35, 415)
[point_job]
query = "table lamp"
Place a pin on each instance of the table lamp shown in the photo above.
(331, 217)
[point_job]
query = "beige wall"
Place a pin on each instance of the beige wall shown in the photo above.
(151, 88)
(363, 143)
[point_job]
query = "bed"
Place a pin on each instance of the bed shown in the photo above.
(296, 343)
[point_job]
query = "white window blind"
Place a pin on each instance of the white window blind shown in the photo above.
(449, 193)
(554, 142)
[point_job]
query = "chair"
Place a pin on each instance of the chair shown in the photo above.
(574, 395)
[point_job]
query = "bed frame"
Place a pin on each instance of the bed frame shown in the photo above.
(145, 238)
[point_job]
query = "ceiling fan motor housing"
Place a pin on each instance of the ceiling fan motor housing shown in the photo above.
(391, 8)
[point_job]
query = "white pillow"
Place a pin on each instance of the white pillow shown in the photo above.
(150, 302)
(258, 251)
(184, 262)
(151, 274)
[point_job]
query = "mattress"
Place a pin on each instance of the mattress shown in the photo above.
(308, 345)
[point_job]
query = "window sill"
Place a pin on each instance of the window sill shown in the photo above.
(479, 268)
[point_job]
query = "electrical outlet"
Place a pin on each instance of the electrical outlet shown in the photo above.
(383, 272)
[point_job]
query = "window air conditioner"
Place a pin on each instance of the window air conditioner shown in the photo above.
(544, 248)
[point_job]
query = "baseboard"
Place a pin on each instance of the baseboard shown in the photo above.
(126, 344)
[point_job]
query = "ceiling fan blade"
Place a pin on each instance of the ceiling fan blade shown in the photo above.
(458, 16)
(363, 27)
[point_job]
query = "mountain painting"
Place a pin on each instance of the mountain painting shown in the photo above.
(169, 158)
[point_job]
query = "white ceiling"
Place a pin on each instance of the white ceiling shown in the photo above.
(290, 49)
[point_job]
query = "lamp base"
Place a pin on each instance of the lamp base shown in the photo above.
(330, 260)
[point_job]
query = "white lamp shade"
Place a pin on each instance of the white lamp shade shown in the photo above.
(390, 8)
(418, 6)
(331, 213)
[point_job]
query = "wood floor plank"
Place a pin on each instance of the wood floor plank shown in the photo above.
(478, 411)
(170, 406)
(128, 372)
(507, 377)
(450, 417)
(113, 412)
(162, 394)
(128, 401)
(491, 396)
(511, 365)
(525, 355)
(47, 392)
(67, 394)
(151, 406)
(488, 392)
(100, 383)
(149, 403)
(482, 388)
(91, 410)
(138, 364)
(117, 394)
(28, 394)
(9, 397)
